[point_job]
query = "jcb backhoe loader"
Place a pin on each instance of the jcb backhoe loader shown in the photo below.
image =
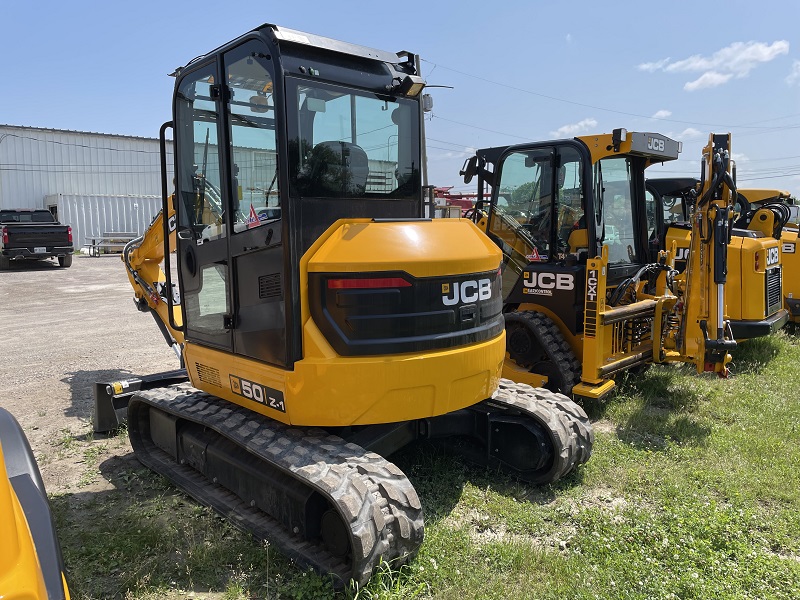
(31, 567)
(763, 290)
(581, 299)
(322, 322)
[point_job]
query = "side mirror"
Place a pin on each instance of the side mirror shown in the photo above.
(470, 169)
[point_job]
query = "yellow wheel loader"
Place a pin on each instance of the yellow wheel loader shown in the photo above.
(762, 294)
(323, 322)
(31, 567)
(582, 299)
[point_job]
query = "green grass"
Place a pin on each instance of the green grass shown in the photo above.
(692, 492)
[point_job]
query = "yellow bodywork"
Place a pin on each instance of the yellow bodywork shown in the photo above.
(20, 571)
(748, 262)
(326, 389)
(602, 146)
(756, 195)
(790, 262)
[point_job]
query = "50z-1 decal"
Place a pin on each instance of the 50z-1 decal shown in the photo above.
(258, 393)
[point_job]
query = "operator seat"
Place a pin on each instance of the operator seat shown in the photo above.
(339, 168)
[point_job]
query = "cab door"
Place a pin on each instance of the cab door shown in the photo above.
(257, 235)
(202, 225)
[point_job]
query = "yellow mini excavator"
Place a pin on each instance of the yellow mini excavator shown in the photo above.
(323, 322)
(760, 300)
(582, 299)
(31, 567)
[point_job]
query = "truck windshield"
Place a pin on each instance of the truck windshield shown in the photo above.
(26, 217)
(352, 144)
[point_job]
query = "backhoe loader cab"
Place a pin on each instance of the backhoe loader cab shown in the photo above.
(582, 298)
(568, 200)
(323, 323)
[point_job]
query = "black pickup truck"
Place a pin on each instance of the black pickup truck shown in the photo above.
(30, 234)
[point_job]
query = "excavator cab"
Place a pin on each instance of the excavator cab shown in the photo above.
(258, 180)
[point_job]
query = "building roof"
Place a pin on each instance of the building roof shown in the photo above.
(52, 130)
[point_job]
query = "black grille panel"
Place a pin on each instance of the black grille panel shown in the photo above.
(774, 290)
(392, 312)
(269, 286)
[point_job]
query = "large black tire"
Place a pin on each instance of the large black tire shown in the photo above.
(4, 263)
(534, 342)
(65, 261)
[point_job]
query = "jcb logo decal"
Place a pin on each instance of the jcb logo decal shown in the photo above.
(655, 144)
(466, 291)
(682, 254)
(773, 256)
(543, 284)
(788, 248)
(171, 224)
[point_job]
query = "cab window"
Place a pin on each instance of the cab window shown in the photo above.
(617, 200)
(352, 144)
(251, 116)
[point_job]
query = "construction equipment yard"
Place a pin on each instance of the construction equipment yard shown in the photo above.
(691, 491)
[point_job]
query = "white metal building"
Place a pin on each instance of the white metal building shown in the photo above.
(95, 182)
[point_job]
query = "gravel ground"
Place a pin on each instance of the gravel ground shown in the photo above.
(63, 330)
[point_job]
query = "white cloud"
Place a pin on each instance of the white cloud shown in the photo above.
(739, 58)
(794, 76)
(652, 67)
(574, 128)
(662, 114)
(707, 80)
(449, 155)
(690, 133)
(736, 60)
(739, 158)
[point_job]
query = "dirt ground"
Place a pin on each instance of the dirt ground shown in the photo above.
(63, 330)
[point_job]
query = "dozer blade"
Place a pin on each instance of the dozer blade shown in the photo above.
(323, 502)
(111, 397)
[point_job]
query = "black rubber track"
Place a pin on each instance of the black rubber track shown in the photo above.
(551, 342)
(372, 495)
(567, 424)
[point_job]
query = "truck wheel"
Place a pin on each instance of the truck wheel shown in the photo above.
(4, 263)
(65, 261)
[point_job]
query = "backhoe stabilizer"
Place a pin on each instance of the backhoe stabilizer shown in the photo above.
(707, 337)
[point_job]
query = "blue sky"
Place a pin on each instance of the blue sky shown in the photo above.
(520, 71)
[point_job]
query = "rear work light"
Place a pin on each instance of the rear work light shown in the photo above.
(367, 284)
